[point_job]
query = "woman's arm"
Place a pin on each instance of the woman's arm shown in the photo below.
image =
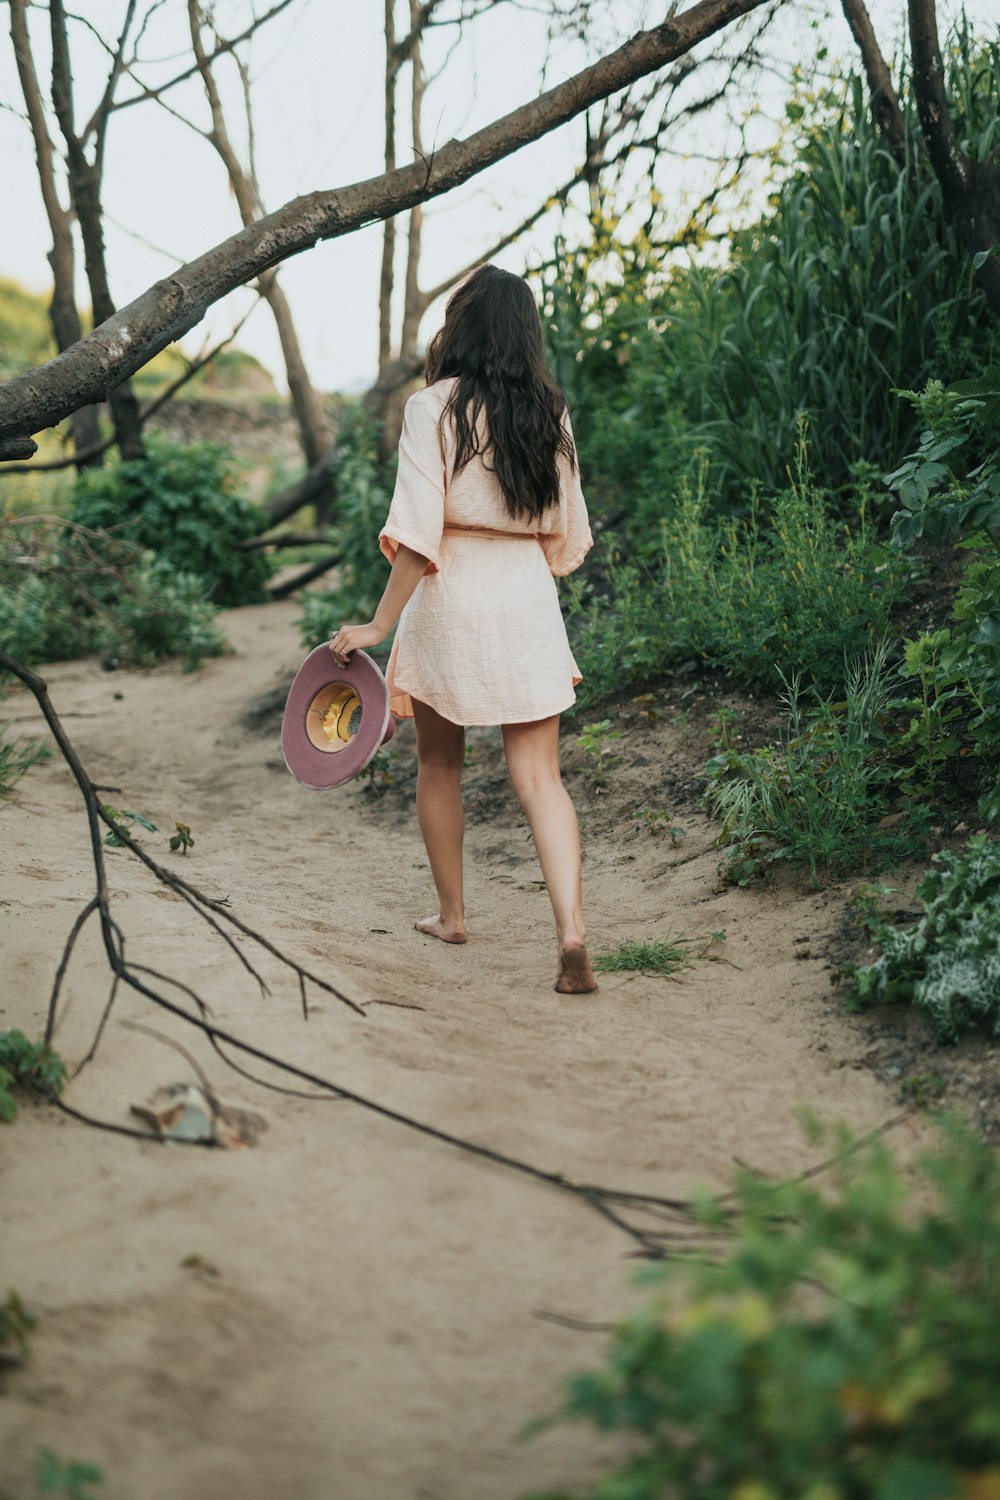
(407, 571)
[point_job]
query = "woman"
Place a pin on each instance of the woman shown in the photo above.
(487, 507)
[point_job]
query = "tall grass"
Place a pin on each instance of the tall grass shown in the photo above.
(852, 284)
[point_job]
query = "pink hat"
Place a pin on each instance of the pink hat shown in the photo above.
(335, 718)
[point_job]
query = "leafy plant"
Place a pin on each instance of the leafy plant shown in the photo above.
(786, 590)
(68, 1477)
(948, 964)
(929, 743)
(16, 1321)
(838, 1345)
(182, 839)
(822, 796)
(663, 956)
(180, 503)
(159, 612)
(657, 821)
(124, 822)
(595, 741)
(27, 1065)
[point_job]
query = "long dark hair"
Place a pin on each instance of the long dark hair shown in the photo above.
(492, 342)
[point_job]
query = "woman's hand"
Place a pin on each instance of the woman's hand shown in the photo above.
(353, 638)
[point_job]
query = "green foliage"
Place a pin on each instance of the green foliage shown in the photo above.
(26, 1065)
(787, 591)
(854, 281)
(949, 963)
(181, 840)
(16, 1322)
(823, 795)
(663, 956)
(656, 820)
(840, 1345)
(67, 1477)
(124, 821)
(67, 591)
(180, 504)
(929, 745)
(17, 756)
(939, 501)
(159, 612)
(363, 493)
(935, 501)
(595, 742)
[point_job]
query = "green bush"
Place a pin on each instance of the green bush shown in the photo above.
(840, 1345)
(363, 495)
(17, 756)
(788, 591)
(950, 486)
(180, 503)
(66, 592)
(159, 612)
(949, 963)
(823, 796)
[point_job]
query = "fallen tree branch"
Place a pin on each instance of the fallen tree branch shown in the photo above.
(610, 1203)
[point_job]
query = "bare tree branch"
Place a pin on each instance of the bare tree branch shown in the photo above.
(129, 338)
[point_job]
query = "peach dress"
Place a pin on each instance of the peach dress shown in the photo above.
(482, 639)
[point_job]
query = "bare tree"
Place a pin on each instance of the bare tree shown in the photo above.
(85, 174)
(63, 312)
(314, 431)
(125, 341)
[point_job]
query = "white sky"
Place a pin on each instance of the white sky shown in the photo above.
(318, 99)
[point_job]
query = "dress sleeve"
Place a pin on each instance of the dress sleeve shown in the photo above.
(569, 539)
(416, 515)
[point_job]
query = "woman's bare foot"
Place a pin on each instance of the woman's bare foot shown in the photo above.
(448, 932)
(575, 976)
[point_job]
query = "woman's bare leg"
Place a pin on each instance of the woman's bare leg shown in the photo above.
(533, 763)
(440, 757)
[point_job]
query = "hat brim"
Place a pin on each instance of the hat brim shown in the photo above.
(315, 757)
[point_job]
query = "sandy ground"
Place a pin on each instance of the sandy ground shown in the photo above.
(360, 1317)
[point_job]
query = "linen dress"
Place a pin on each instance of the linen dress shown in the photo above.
(482, 638)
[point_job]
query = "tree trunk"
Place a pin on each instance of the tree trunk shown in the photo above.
(169, 309)
(971, 189)
(85, 191)
(314, 432)
(63, 314)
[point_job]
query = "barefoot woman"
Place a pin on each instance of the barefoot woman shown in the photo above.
(487, 507)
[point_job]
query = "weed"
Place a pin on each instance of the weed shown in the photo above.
(182, 839)
(594, 741)
(28, 1065)
(17, 756)
(662, 956)
(822, 796)
(69, 1478)
(124, 822)
(16, 1322)
(659, 822)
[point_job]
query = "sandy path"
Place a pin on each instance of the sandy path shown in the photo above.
(362, 1324)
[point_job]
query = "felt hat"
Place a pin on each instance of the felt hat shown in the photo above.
(335, 718)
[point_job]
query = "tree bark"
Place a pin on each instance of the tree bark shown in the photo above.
(63, 314)
(971, 189)
(170, 308)
(885, 102)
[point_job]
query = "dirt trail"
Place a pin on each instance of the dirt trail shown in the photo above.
(359, 1321)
